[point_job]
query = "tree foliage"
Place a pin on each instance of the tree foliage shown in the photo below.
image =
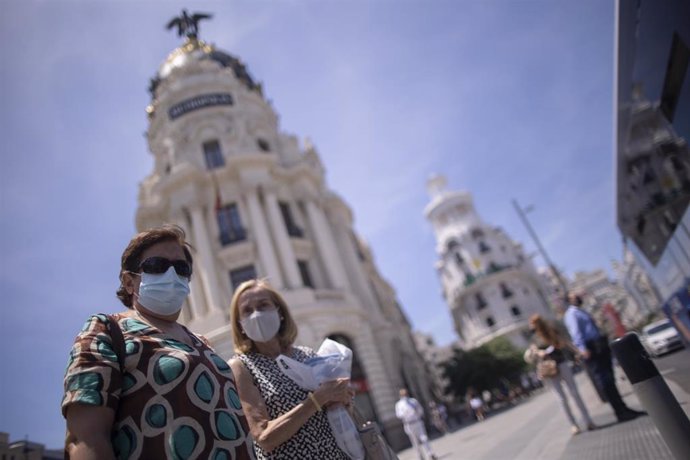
(483, 368)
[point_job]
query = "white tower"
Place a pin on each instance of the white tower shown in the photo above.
(255, 204)
(488, 284)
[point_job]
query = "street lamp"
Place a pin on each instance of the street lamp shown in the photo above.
(523, 216)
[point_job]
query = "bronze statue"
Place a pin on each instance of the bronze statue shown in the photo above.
(188, 25)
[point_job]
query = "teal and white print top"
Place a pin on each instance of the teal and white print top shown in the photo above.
(172, 401)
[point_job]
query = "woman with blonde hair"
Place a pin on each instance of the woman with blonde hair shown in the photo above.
(554, 369)
(285, 421)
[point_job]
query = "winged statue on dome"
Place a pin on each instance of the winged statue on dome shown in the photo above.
(188, 25)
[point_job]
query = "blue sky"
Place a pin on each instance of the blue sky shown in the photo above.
(509, 99)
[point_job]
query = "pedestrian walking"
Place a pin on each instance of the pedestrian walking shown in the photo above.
(594, 348)
(410, 411)
(476, 404)
(555, 368)
(438, 416)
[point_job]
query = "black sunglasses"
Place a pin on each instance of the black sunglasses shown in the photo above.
(158, 265)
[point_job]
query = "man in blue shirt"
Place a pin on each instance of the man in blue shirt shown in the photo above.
(595, 350)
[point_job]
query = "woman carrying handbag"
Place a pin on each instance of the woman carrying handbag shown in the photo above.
(554, 369)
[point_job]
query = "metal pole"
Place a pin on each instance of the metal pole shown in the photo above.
(654, 395)
(542, 251)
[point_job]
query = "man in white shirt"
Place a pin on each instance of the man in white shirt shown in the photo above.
(411, 412)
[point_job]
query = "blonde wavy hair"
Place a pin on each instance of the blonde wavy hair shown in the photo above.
(288, 328)
(547, 332)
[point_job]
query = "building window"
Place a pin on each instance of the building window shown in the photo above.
(242, 274)
(469, 279)
(213, 155)
(291, 227)
(230, 225)
(505, 292)
(481, 303)
(490, 321)
(263, 145)
(515, 310)
(477, 233)
(493, 267)
(304, 273)
(483, 247)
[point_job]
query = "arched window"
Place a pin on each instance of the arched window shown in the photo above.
(213, 155)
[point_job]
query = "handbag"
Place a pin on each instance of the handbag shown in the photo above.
(547, 368)
(375, 445)
(119, 348)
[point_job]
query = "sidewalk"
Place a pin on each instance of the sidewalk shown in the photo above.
(537, 429)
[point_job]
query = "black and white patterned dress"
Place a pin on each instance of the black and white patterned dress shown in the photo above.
(315, 439)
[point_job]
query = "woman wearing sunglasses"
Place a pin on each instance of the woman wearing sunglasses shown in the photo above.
(138, 383)
(286, 421)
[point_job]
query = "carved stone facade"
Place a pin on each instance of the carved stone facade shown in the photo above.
(255, 203)
(489, 285)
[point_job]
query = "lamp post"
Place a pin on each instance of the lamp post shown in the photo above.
(522, 213)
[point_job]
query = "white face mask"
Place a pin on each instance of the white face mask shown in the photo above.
(261, 326)
(163, 294)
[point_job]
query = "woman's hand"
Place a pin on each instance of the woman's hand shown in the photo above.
(336, 391)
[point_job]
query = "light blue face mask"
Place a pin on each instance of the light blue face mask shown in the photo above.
(163, 294)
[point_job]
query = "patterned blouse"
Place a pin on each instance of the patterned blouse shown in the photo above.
(315, 440)
(173, 400)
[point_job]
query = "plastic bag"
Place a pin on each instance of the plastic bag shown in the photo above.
(333, 361)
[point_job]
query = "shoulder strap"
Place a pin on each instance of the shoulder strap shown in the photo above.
(358, 417)
(118, 341)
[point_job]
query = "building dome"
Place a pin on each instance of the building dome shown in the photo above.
(194, 51)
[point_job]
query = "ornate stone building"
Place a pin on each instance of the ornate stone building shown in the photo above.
(255, 203)
(599, 291)
(489, 285)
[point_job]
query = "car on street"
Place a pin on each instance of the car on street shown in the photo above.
(661, 337)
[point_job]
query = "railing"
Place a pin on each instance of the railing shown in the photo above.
(470, 279)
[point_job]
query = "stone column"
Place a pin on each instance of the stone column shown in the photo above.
(285, 252)
(197, 301)
(209, 280)
(351, 259)
(326, 245)
(263, 240)
(380, 386)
